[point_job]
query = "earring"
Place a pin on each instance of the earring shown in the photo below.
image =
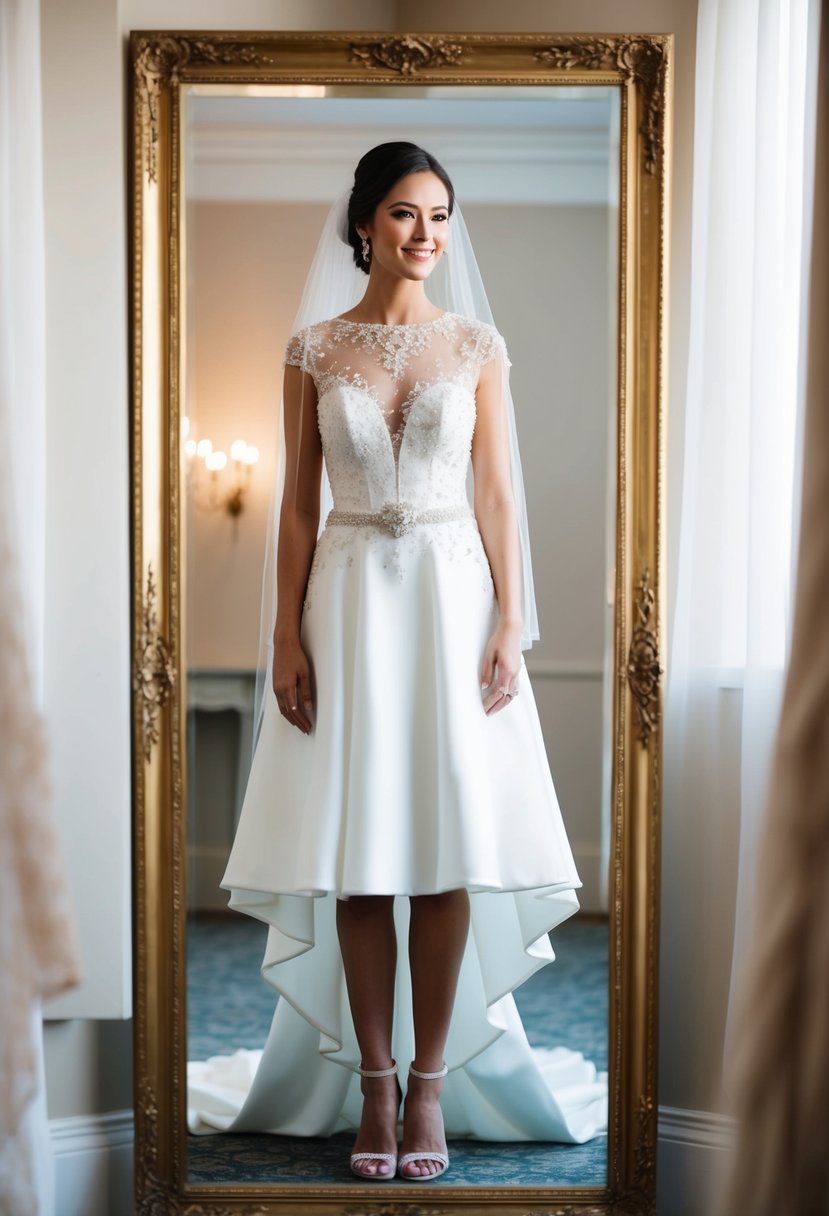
(366, 251)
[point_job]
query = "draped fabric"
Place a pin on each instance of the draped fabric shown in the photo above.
(780, 1066)
(740, 474)
(37, 951)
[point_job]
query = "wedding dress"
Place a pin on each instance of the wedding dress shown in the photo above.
(404, 785)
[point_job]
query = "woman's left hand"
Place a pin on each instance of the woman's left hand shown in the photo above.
(502, 659)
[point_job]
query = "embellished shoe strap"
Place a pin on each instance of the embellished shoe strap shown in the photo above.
(378, 1072)
(426, 1155)
(428, 1076)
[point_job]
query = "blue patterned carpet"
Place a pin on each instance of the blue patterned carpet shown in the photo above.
(230, 1007)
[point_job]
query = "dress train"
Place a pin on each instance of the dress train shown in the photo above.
(304, 1082)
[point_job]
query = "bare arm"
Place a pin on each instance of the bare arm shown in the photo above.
(497, 521)
(298, 525)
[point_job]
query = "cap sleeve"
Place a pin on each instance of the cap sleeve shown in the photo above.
(296, 352)
(487, 344)
(497, 348)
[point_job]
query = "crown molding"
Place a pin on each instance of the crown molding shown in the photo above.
(284, 165)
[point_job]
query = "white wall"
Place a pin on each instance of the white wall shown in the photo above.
(87, 682)
(255, 255)
(87, 551)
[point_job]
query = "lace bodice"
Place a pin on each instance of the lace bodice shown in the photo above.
(396, 406)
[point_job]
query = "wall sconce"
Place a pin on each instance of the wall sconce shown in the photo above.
(214, 483)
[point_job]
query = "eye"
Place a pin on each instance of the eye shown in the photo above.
(403, 213)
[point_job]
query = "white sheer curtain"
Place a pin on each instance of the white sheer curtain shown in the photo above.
(752, 154)
(778, 1065)
(37, 957)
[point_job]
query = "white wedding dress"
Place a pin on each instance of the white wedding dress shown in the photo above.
(404, 785)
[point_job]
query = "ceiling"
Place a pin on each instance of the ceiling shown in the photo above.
(300, 143)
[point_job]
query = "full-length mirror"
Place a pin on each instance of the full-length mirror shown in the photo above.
(261, 173)
(542, 171)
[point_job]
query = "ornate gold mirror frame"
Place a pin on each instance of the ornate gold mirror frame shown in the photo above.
(162, 65)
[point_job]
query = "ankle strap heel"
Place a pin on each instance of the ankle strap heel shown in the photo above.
(378, 1072)
(390, 1159)
(441, 1160)
(429, 1076)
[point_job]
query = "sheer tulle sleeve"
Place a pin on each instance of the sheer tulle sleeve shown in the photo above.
(496, 348)
(489, 345)
(296, 351)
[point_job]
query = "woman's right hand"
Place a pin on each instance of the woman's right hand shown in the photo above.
(292, 684)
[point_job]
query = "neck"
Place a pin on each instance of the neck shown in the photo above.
(390, 300)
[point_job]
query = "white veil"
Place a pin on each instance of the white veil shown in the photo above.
(334, 285)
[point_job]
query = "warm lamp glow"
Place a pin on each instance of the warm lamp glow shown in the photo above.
(222, 491)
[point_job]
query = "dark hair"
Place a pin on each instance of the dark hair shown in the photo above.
(374, 177)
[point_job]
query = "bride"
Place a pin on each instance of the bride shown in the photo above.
(400, 832)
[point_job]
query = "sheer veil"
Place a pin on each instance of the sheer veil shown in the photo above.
(333, 286)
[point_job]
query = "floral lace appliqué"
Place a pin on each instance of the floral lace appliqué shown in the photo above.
(396, 411)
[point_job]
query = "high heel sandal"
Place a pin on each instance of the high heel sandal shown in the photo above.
(426, 1154)
(390, 1157)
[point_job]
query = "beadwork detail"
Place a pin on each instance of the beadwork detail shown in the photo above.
(397, 517)
(455, 541)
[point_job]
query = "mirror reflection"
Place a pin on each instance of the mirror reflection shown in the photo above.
(535, 171)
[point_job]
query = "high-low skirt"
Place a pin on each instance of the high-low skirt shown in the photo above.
(403, 787)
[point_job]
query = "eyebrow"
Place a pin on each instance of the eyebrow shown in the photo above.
(402, 203)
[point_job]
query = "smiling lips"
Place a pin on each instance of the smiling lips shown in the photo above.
(420, 255)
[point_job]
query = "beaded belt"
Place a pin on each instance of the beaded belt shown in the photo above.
(398, 517)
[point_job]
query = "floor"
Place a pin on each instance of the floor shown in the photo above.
(230, 1006)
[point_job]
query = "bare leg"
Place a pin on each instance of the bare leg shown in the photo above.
(365, 926)
(438, 930)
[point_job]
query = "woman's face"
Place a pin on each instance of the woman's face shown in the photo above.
(408, 231)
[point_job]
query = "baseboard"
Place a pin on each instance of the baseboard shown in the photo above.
(693, 1156)
(93, 1164)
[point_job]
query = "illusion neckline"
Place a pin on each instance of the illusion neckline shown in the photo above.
(384, 325)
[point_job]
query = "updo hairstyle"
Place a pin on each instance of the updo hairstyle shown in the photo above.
(374, 177)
